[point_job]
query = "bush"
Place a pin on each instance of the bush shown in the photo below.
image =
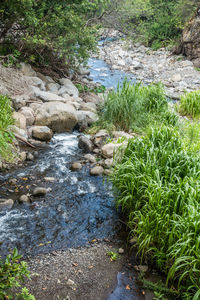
(136, 106)
(157, 182)
(190, 104)
(6, 135)
(12, 273)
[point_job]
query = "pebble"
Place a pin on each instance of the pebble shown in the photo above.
(29, 156)
(24, 198)
(76, 166)
(121, 251)
(40, 191)
(98, 170)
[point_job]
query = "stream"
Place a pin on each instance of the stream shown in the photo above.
(79, 207)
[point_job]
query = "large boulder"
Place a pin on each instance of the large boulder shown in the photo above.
(86, 117)
(42, 133)
(68, 88)
(58, 116)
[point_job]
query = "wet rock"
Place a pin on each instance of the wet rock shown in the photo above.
(96, 171)
(60, 117)
(29, 156)
(121, 251)
(40, 191)
(70, 88)
(42, 133)
(91, 158)
(76, 166)
(24, 199)
(85, 144)
(28, 114)
(20, 120)
(6, 203)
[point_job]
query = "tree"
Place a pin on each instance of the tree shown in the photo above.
(49, 30)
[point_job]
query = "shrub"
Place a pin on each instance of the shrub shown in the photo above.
(157, 182)
(6, 119)
(190, 104)
(12, 273)
(136, 106)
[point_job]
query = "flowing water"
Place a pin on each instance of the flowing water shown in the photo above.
(79, 207)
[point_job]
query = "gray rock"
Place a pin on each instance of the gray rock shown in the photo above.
(29, 156)
(27, 70)
(20, 120)
(19, 101)
(28, 114)
(71, 89)
(36, 81)
(53, 87)
(85, 144)
(58, 116)
(47, 97)
(49, 179)
(109, 149)
(18, 131)
(83, 71)
(108, 162)
(22, 156)
(88, 117)
(121, 251)
(6, 203)
(42, 133)
(40, 191)
(96, 171)
(89, 107)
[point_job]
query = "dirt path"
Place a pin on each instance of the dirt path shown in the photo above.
(86, 273)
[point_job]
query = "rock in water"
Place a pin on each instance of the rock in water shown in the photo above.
(98, 170)
(40, 191)
(85, 144)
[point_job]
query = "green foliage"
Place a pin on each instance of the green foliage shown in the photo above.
(157, 184)
(190, 104)
(12, 274)
(83, 88)
(50, 30)
(136, 106)
(6, 135)
(113, 255)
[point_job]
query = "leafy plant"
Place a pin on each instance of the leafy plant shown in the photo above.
(113, 255)
(83, 88)
(12, 274)
(6, 135)
(190, 104)
(157, 186)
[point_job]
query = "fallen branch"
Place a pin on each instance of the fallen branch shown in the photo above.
(24, 141)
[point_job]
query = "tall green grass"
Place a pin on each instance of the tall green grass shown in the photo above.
(6, 135)
(158, 187)
(190, 104)
(134, 106)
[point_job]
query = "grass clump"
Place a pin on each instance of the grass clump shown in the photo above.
(6, 135)
(190, 104)
(136, 107)
(158, 186)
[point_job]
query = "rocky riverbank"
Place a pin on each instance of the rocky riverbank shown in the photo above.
(176, 72)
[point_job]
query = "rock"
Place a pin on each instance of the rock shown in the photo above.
(29, 156)
(107, 172)
(24, 199)
(109, 149)
(86, 117)
(136, 65)
(96, 151)
(27, 70)
(47, 97)
(20, 101)
(108, 162)
(71, 283)
(22, 156)
(28, 114)
(58, 116)
(20, 120)
(71, 89)
(18, 131)
(49, 179)
(42, 133)
(45, 79)
(12, 181)
(34, 106)
(89, 107)
(53, 87)
(176, 77)
(36, 81)
(141, 268)
(91, 97)
(98, 170)
(100, 137)
(40, 191)
(76, 166)
(119, 134)
(6, 203)
(83, 71)
(85, 144)
(91, 158)
(121, 251)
